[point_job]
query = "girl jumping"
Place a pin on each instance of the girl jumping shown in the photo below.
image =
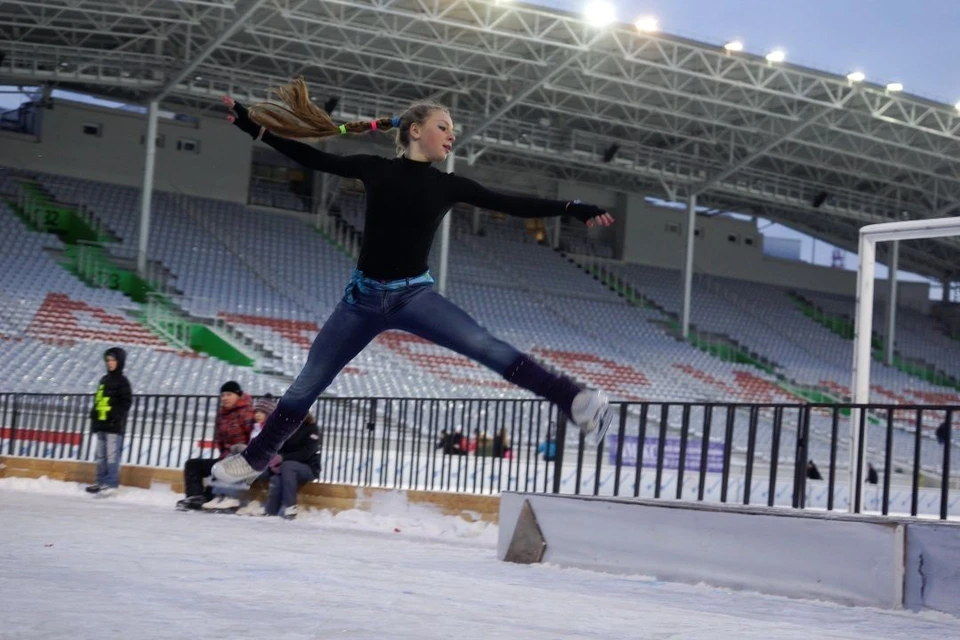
(391, 286)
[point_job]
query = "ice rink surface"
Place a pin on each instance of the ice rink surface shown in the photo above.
(131, 567)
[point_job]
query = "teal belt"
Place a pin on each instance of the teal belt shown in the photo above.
(365, 284)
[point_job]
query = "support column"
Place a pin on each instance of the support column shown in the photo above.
(894, 265)
(445, 238)
(321, 204)
(688, 264)
(158, 51)
(945, 296)
(557, 222)
(862, 347)
(150, 143)
(476, 220)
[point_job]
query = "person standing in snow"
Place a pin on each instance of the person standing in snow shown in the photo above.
(109, 421)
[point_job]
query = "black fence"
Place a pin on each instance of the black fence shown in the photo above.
(795, 456)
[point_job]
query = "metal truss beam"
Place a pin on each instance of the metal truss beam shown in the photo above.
(717, 113)
(417, 78)
(507, 26)
(440, 34)
(66, 14)
(375, 70)
(42, 63)
(503, 109)
(756, 153)
(542, 28)
(345, 16)
(211, 46)
(351, 67)
(628, 117)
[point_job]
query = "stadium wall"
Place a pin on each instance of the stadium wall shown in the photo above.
(218, 167)
(656, 236)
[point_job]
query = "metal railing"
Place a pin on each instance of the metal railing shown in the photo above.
(163, 316)
(341, 233)
(715, 452)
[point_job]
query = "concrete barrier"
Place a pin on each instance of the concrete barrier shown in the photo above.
(933, 567)
(849, 559)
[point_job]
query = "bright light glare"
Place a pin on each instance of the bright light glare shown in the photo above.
(600, 13)
(957, 106)
(856, 76)
(647, 24)
(734, 45)
(776, 56)
(894, 86)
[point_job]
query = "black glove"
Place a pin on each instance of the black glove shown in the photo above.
(243, 121)
(583, 212)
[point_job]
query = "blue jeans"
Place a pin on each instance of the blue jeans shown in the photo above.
(285, 484)
(370, 307)
(107, 456)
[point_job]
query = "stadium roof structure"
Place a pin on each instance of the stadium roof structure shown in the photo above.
(535, 90)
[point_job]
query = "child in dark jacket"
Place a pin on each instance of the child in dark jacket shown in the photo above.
(297, 463)
(109, 421)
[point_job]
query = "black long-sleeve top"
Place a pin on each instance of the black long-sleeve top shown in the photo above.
(406, 201)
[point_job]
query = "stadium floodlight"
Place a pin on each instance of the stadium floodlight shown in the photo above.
(600, 13)
(776, 56)
(734, 45)
(957, 106)
(856, 76)
(647, 24)
(895, 86)
(870, 235)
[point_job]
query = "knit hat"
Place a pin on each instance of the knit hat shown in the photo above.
(232, 387)
(266, 404)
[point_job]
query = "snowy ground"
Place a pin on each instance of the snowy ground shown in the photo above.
(77, 567)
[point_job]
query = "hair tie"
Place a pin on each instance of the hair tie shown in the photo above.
(343, 128)
(373, 125)
(396, 121)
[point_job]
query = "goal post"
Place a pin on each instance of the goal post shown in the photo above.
(870, 235)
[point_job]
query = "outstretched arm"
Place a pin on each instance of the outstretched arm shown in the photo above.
(472, 192)
(310, 157)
